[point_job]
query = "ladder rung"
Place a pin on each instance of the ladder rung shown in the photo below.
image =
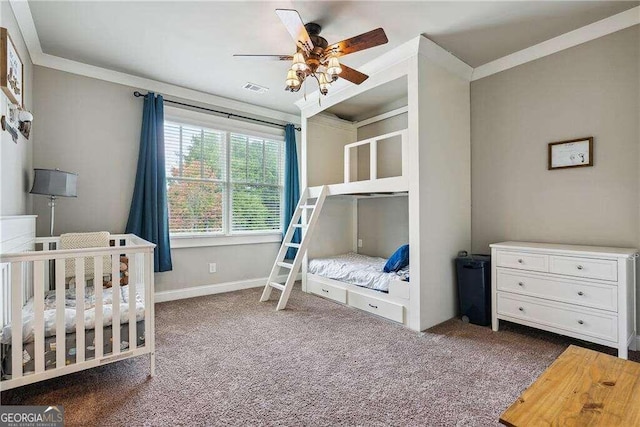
(299, 226)
(307, 206)
(277, 285)
(293, 245)
(285, 265)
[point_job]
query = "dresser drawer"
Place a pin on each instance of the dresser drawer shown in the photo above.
(603, 269)
(377, 306)
(328, 291)
(586, 294)
(523, 261)
(558, 315)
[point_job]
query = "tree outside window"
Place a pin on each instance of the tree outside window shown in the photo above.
(222, 182)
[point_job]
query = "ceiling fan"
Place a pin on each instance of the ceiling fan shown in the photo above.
(315, 57)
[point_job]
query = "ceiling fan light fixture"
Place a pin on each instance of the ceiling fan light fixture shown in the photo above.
(323, 83)
(333, 67)
(292, 79)
(299, 63)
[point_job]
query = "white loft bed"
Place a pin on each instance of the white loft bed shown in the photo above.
(394, 303)
(435, 179)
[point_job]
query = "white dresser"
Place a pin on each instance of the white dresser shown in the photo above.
(584, 292)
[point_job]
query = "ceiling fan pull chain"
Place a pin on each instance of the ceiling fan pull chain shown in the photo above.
(304, 82)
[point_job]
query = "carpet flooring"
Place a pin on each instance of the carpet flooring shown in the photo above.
(229, 360)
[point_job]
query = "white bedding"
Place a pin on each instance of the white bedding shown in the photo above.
(357, 269)
(70, 312)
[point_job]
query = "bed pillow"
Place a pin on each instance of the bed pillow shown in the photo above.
(398, 260)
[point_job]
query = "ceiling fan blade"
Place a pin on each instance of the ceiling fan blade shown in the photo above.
(265, 57)
(354, 44)
(291, 19)
(354, 76)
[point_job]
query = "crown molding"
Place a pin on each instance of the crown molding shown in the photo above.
(598, 29)
(327, 119)
(22, 12)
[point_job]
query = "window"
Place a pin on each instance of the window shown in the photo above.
(222, 182)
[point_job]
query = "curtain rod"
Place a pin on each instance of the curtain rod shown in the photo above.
(224, 113)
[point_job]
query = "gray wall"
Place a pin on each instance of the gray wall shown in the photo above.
(383, 225)
(588, 90)
(93, 127)
(16, 158)
(389, 151)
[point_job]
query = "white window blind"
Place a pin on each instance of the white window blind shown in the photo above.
(222, 182)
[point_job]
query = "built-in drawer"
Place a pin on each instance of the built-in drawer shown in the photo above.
(604, 269)
(377, 306)
(587, 294)
(328, 291)
(523, 261)
(584, 321)
(399, 289)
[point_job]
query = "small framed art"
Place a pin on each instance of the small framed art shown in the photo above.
(11, 70)
(574, 153)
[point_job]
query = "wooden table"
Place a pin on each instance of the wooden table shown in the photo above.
(581, 388)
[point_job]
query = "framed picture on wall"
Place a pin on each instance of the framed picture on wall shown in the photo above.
(573, 153)
(11, 70)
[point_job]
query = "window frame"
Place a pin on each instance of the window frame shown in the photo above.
(228, 126)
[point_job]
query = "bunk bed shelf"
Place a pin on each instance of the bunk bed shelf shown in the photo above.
(396, 184)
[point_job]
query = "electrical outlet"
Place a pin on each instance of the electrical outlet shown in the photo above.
(359, 243)
(212, 267)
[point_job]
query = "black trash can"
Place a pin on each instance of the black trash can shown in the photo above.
(474, 288)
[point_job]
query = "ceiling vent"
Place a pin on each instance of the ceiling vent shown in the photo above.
(252, 87)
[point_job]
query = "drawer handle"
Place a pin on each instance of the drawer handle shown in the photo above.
(521, 308)
(373, 306)
(520, 284)
(324, 290)
(581, 322)
(580, 267)
(580, 293)
(520, 261)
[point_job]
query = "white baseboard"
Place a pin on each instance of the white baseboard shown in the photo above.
(218, 288)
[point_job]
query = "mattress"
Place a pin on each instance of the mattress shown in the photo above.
(357, 269)
(28, 349)
(70, 312)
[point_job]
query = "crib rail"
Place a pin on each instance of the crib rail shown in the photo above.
(34, 272)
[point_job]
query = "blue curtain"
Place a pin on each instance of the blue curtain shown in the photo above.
(149, 216)
(291, 184)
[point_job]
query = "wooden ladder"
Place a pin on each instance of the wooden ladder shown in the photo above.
(307, 233)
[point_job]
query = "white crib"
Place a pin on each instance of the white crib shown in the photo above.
(30, 273)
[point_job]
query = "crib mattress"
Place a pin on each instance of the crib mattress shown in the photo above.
(28, 349)
(28, 325)
(357, 269)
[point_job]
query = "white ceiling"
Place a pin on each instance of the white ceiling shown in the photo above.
(381, 99)
(191, 44)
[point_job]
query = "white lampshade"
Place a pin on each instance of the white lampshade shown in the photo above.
(333, 67)
(299, 64)
(292, 79)
(324, 83)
